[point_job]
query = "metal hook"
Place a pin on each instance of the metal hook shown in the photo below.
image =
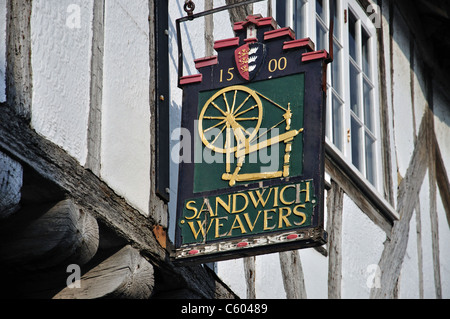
(189, 7)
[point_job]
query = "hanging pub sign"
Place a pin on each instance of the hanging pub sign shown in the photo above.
(251, 178)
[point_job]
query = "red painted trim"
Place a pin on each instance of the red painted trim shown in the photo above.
(257, 20)
(267, 21)
(254, 18)
(222, 44)
(238, 26)
(309, 56)
(189, 79)
(251, 40)
(279, 33)
(207, 61)
(294, 44)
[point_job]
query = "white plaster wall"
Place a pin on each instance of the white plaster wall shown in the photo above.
(2, 51)
(269, 280)
(315, 270)
(444, 251)
(232, 274)
(362, 245)
(403, 127)
(61, 50)
(125, 149)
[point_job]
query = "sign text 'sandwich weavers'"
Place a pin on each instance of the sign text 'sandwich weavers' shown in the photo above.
(255, 112)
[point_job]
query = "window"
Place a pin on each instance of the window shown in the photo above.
(352, 95)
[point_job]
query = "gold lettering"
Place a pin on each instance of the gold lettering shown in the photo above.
(275, 197)
(299, 214)
(235, 210)
(260, 198)
(188, 206)
(282, 195)
(240, 226)
(306, 190)
(266, 219)
(207, 209)
(284, 218)
(218, 225)
(249, 224)
(201, 228)
(226, 206)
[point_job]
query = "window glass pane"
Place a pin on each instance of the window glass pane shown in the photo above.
(354, 90)
(300, 18)
(337, 24)
(352, 35)
(336, 69)
(370, 159)
(320, 10)
(368, 110)
(356, 143)
(321, 36)
(366, 54)
(328, 126)
(337, 123)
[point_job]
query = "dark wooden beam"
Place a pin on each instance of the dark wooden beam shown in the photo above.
(52, 163)
(45, 236)
(124, 275)
(11, 179)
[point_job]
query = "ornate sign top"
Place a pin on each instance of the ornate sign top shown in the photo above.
(255, 113)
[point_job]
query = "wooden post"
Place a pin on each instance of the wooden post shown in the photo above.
(250, 272)
(18, 57)
(334, 228)
(394, 251)
(239, 13)
(126, 274)
(293, 278)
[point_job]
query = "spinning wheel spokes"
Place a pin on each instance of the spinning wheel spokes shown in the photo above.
(223, 112)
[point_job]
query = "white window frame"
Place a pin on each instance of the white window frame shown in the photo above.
(309, 18)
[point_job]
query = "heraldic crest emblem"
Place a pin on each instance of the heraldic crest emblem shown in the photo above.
(249, 59)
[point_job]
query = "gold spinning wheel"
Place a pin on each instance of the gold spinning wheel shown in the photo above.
(226, 112)
(229, 123)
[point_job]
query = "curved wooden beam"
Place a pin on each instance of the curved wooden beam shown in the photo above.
(11, 180)
(62, 233)
(126, 275)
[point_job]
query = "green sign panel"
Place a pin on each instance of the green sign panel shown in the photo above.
(255, 113)
(258, 211)
(267, 116)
